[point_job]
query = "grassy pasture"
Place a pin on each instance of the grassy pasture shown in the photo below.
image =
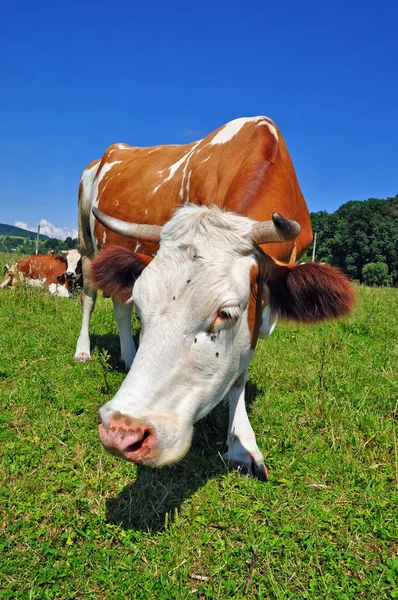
(77, 523)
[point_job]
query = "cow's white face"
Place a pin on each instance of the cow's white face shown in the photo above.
(193, 302)
(73, 268)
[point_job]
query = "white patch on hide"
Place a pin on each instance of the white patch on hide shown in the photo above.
(270, 126)
(188, 186)
(87, 179)
(94, 194)
(59, 290)
(174, 168)
(232, 128)
(35, 283)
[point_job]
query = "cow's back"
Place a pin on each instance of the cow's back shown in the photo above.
(43, 266)
(243, 167)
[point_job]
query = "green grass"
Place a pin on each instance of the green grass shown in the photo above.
(78, 523)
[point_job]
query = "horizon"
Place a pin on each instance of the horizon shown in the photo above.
(56, 231)
(145, 75)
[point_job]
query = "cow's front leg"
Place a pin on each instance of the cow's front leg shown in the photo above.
(88, 299)
(243, 452)
(123, 318)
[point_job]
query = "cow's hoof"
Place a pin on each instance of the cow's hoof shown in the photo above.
(82, 357)
(253, 469)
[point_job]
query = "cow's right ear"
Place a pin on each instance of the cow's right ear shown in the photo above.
(116, 269)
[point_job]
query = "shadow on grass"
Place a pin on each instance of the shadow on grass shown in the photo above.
(143, 504)
(110, 343)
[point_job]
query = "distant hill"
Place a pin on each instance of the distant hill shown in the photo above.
(18, 231)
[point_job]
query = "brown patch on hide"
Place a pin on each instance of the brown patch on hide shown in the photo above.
(254, 314)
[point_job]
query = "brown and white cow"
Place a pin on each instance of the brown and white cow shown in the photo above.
(57, 274)
(218, 280)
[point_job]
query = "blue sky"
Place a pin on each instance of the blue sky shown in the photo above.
(79, 76)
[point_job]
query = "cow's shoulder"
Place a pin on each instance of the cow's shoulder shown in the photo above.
(116, 152)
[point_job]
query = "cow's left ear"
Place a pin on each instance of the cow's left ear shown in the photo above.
(116, 269)
(309, 292)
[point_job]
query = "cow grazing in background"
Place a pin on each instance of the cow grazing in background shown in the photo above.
(218, 281)
(57, 274)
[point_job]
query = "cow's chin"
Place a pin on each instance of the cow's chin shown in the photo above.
(172, 455)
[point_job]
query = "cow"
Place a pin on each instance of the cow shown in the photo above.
(192, 236)
(59, 275)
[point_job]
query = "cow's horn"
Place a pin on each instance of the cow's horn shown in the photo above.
(277, 230)
(138, 231)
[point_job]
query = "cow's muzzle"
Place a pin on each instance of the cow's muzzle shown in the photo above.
(131, 439)
(71, 276)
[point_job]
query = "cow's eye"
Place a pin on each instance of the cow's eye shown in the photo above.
(228, 313)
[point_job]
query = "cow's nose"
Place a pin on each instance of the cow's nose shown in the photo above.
(69, 275)
(132, 439)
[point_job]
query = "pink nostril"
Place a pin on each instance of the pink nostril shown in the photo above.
(139, 443)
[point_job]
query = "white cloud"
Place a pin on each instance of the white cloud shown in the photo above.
(22, 225)
(47, 228)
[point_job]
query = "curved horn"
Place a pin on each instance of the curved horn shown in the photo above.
(277, 230)
(138, 231)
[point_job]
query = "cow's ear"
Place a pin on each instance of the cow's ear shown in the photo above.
(309, 292)
(116, 269)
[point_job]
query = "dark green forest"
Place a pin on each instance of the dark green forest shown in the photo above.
(361, 238)
(22, 241)
(27, 244)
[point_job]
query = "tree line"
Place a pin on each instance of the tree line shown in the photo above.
(27, 245)
(361, 238)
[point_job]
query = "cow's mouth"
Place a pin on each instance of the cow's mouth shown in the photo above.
(138, 445)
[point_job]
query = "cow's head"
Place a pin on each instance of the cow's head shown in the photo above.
(9, 274)
(203, 300)
(73, 265)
